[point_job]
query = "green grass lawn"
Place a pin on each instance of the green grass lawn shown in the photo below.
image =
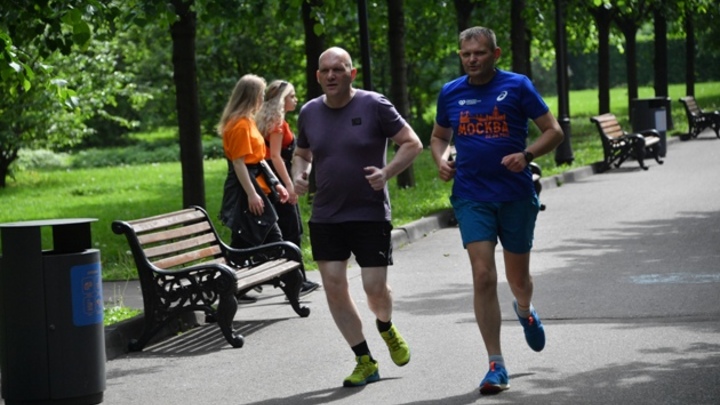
(129, 192)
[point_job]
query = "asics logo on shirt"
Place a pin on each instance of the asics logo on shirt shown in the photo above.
(502, 96)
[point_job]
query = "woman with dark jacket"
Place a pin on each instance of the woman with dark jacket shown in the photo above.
(280, 98)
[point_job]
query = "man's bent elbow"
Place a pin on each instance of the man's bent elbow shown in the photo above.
(559, 136)
(417, 146)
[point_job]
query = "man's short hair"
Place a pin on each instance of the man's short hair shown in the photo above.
(478, 32)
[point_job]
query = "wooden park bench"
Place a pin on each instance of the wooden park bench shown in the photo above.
(184, 266)
(699, 120)
(619, 145)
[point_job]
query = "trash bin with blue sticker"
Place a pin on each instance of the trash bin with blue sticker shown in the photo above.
(52, 338)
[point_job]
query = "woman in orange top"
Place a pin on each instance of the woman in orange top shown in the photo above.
(248, 191)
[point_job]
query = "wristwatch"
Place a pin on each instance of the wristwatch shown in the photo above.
(528, 156)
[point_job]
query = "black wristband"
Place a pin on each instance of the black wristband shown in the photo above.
(528, 156)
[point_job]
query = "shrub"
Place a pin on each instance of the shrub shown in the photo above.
(41, 159)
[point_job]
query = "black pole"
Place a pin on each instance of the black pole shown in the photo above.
(563, 153)
(364, 44)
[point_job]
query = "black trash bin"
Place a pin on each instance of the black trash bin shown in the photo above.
(52, 341)
(652, 113)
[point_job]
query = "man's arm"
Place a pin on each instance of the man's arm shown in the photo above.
(439, 146)
(409, 146)
(302, 163)
(551, 136)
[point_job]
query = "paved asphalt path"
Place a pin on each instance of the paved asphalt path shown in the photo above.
(627, 281)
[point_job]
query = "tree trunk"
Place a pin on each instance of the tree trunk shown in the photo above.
(398, 73)
(689, 53)
(186, 88)
(7, 156)
(314, 46)
(629, 21)
(366, 71)
(563, 153)
(528, 59)
(518, 38)
(660, 60)
(603, 18)
(631, 64)
(463, 10)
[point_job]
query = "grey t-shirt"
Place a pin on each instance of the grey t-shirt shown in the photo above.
(343, 142)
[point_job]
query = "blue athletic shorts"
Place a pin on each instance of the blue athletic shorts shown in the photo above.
(370, 242)
(512, 222)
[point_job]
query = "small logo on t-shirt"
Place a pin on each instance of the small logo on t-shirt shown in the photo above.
(471, 101)
(502, 96)
(356, 121)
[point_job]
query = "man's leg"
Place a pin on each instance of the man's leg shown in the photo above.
(378, 292)
(342, 307)
(487, 313)
(518, 225)
(346, 316)
(485, 298)
(380, 302)
(517, 268)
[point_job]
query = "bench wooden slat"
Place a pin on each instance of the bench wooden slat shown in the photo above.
(268, 274)
(174, 233)
(249, 271)
(188, 257)
(164, 221)
(692, 106)
(179, 246)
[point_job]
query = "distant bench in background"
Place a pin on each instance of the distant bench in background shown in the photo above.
(699, 120)
(619, 145)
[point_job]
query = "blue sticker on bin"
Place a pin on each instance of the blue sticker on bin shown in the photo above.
(87, 297)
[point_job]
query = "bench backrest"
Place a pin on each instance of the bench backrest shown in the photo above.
(691, 105)
(174, 240)
(608, 126)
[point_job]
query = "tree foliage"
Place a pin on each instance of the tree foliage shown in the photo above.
(91, 70)
(63, 73)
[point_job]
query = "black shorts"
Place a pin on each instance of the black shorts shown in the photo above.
(370, 242)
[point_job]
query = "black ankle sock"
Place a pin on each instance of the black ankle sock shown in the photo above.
(383, 326)
(361, 349)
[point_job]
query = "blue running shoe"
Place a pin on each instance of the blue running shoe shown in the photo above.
(534, 330)
(496, 380)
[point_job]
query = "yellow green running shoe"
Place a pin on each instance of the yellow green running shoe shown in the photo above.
(399, 349)
(366, 371)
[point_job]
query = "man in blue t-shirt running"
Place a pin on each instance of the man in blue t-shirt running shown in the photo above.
(493, 195)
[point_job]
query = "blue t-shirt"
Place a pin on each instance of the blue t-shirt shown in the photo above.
(489, 121)
(343, 142)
